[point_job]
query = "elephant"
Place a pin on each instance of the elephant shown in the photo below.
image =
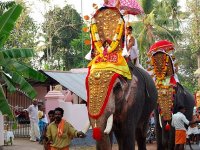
(166, 139)
(127, 112)
(119, 99)
(171, 94)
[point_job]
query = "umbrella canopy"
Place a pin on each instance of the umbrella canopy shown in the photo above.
(128, 6)
(131, 7)
(163, 44)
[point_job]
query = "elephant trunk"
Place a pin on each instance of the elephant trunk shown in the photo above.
(98, 131)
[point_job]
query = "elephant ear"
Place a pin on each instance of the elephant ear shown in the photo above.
(180, 87)
(178, 97)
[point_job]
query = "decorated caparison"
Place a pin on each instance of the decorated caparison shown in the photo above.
(108, 62)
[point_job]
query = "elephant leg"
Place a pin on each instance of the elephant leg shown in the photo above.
(158, 132)
(141, 136)
(125, 139)
(104, 143)
(172, 139)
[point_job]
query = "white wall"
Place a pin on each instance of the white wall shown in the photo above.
(76, 114)
(1, 130)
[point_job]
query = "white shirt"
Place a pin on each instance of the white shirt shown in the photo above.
(133, 52)
(178, 121)
(33, 113)
(45, 119)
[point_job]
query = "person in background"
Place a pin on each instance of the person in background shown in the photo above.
(42, 121)
(130, 42)
(60, 132)
(47, 144)
(33, 115)
(178, 122)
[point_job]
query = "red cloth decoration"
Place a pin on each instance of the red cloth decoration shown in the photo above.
(97, 133)
(167, 127)
(172, 80)
(164, 44)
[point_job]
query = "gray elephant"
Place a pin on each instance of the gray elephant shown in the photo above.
(127, 112)
(119, 99)
(171, 94)
(166, 139)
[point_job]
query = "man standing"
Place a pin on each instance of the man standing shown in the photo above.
(178, 121)
(51, 115)
(33, 115)
(60, 132)
(42, 121)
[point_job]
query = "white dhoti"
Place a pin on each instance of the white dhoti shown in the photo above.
(34, 131)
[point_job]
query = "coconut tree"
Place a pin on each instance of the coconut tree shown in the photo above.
(13, 73)
(156, 23)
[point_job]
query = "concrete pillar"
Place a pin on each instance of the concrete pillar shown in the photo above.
(1, 131)
(52, 100)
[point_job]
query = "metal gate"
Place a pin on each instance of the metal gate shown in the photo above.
(18, 101)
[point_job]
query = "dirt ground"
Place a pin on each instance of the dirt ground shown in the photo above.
(115, 147)
(25, 144)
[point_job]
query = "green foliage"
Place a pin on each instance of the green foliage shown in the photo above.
(80, 51)
(148, 6)
(60, 28)
(7, 22)
(159, 21)
(5, 5)
(13, 74)
(189, 48)
(187, 64)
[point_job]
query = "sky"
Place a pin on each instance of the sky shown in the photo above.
(84, 7)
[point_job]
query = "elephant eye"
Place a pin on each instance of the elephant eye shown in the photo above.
(117, 88)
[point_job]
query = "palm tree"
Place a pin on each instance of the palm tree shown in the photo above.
(14, 74)
(157, 23)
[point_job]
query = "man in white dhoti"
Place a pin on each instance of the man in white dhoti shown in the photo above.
(33, 115)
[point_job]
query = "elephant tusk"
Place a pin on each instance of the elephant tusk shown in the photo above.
(109, 125)
(160, 121)
(87, 126)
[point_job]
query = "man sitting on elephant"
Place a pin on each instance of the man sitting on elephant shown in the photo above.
(178, 121)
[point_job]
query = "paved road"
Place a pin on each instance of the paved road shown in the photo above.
(25, 144)
(194, 147)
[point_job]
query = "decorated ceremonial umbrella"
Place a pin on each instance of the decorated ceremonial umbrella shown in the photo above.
(128, 6)
(131, 7)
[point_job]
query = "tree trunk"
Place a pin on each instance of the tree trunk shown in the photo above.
(198, 59)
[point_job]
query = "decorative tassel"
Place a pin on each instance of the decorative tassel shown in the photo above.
(172, 80)
(167, 127)
(96, 132)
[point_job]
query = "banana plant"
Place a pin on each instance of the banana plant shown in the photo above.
(13, 73)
